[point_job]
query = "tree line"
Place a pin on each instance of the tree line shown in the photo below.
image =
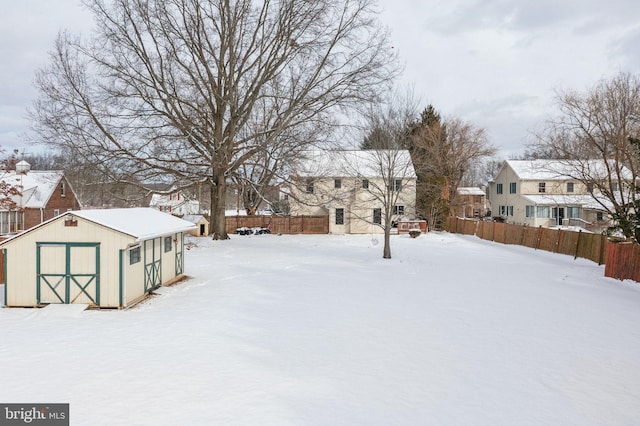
(196, 94)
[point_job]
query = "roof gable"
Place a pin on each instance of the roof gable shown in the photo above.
(36, 186)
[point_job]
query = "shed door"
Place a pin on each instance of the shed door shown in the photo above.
(68, 273)
(152, 267)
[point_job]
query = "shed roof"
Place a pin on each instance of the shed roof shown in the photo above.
(142, 223)
(194, 218)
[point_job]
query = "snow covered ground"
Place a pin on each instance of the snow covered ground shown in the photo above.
(320, 330)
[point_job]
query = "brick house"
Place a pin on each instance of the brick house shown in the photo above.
(44, 195)
(470, 202)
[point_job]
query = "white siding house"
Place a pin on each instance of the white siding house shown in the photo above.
(175, 203)
(349, 187)
(107, 258)
(543, 193)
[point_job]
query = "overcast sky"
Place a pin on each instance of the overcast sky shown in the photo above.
(495, 63)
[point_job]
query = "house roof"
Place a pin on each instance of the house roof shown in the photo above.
(142, 223)
(561, 169)
(356, 163)
(470, 191)
(36, 186)
(584, 201)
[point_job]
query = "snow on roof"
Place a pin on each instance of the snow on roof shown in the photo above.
(142, 223)
(585, 201)
(561, 169)
(371, 163)
(193, 218)
(470, 191)
(36, 186)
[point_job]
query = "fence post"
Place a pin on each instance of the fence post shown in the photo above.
(538, 234)
(577, 244)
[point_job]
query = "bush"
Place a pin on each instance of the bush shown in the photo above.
(414, 233)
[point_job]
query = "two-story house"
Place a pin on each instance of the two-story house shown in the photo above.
(543, 193)
(470, 202)
(354, 187)
(43, 195)
(175, 203)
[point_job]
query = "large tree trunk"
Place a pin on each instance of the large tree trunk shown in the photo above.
(386, 252)
(218, 226)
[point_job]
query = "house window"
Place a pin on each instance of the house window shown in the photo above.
(56, 212)
(134, 255)
(377, 216)
(337, 183)
(614, 186)
(397, 185)
(505, 210)
(599, 216)
(365, 183)
(63, 189)
(542, 187)
(10, 222)
(569, 186)
(573, 212)
(542, 211)
(530, 211)
(309, 186)
(339, 216)
(590, 188)
(398, 210)
(502, 210)
(167, 243)
(512, 188)
(499, 188)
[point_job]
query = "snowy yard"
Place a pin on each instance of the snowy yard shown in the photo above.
(320, 330)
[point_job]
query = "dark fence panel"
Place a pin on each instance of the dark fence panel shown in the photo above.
(280, 224)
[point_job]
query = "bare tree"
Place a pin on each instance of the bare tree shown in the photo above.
(444, 152)
(196, 88)
(593, 138)
(389, 127)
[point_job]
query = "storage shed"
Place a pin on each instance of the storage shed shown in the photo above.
(106, 258)
(201, 222)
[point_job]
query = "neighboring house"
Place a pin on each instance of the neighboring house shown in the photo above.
(470, 202)
(542, 193)
(44, 195)
(108, 258)
(201, 222)
(175, 203)
(346, 186)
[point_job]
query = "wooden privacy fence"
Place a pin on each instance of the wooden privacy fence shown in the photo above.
(280, 224)
(576, 244)
(623, 261)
